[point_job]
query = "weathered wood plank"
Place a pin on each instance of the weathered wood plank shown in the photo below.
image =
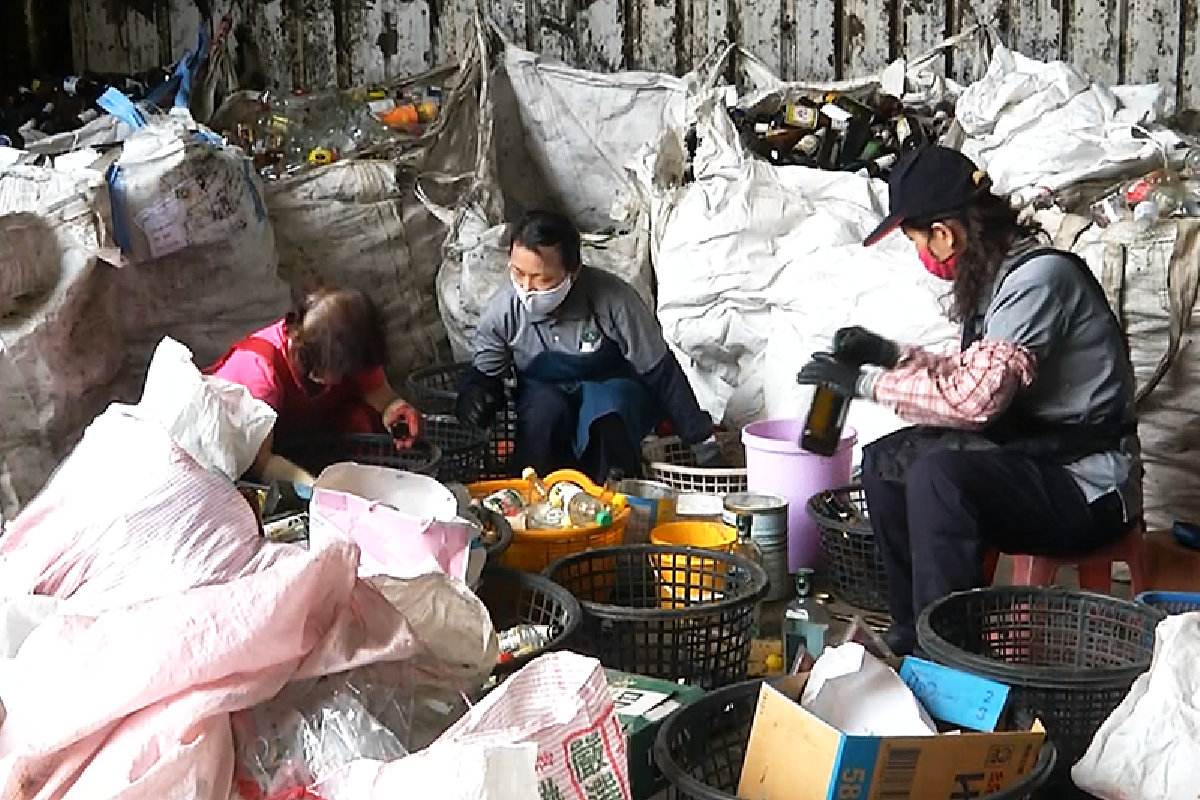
(809, 28)
(760, 24)
(554, 29)
(79, 35)
(969, 65)
(1152, 45)
(185, 26)
(103, 37)
(654, 32)
(318, 54)
(1093, 40)
(923, 27)
(1037, 28)
(866, 37)
(415, 38)
(141, 33)
(601, 32)
(1189, 75)
(276, 40)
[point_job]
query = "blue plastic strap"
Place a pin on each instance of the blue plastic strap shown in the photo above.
(121, 107)
(116, 200)
(187, 69)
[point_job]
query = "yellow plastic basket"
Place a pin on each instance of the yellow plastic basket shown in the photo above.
(533, 551)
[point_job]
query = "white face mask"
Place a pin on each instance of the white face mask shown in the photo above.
(543, 303)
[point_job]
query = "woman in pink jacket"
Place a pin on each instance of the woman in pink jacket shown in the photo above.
(321, 369)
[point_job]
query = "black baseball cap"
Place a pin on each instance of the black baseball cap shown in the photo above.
(927, 182)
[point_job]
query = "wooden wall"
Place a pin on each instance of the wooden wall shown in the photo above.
(320, 43)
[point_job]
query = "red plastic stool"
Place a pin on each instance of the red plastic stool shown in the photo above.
(1095, 570)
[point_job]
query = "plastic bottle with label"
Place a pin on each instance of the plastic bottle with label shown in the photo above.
(542, 513)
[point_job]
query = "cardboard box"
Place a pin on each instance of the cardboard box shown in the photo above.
(793, 755)
(642, 704)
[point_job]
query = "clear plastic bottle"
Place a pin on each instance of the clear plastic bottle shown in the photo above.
(542, 512)
(805, 622)
(747, 548)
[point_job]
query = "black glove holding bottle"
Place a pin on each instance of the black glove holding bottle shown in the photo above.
(825, 370)
(858, 346)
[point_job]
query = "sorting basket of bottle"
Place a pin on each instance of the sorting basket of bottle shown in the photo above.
(852, 562)
(315, 453)
(701, 636)
(434, 390)
(672, 462)
(520, 599)
(701, 746)
(533, 550)
(464, 448)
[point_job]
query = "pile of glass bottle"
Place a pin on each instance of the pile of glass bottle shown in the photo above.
(1145, 200)
(285, 133)
(837, 131)
(564, 505)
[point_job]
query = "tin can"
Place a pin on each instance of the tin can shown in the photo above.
(769, 528)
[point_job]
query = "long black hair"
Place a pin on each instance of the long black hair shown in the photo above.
(991, 227)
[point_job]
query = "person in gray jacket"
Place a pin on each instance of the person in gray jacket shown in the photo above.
(594, 373)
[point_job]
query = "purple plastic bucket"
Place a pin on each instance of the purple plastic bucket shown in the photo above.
(775, 464)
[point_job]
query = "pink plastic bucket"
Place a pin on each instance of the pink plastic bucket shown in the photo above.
(775, 464)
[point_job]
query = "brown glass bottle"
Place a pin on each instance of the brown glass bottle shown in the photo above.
(826, 418)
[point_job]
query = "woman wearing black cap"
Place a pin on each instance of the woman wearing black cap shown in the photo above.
(1025, 440)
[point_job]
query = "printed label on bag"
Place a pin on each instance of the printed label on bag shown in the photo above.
(585, 768)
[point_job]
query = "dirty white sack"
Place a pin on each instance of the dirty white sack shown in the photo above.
(557, 137)
(145, 506)
(1037, 127)
(1149, 747)
(60, 342)
(192, 224)
(758, 266)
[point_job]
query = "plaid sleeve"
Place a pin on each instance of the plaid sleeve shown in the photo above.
(920, 357)
(964, 391)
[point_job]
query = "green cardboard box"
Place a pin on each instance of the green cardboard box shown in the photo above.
(642, 704)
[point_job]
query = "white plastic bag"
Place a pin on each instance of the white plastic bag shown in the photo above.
(404, 524)
(1149, 747)
(218, 422)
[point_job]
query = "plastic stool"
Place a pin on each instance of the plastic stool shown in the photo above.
(1095, 570)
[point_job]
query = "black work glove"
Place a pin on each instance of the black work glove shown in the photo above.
(708, 454)
(476, 406)
(825, 370)
(859, 346)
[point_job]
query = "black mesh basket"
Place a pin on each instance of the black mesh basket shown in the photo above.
(318, 452)
(700, 748)
(434, 390)
(852, 563)
(1070, 657)
(516, 598)
(665, 612)
(464, 449)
